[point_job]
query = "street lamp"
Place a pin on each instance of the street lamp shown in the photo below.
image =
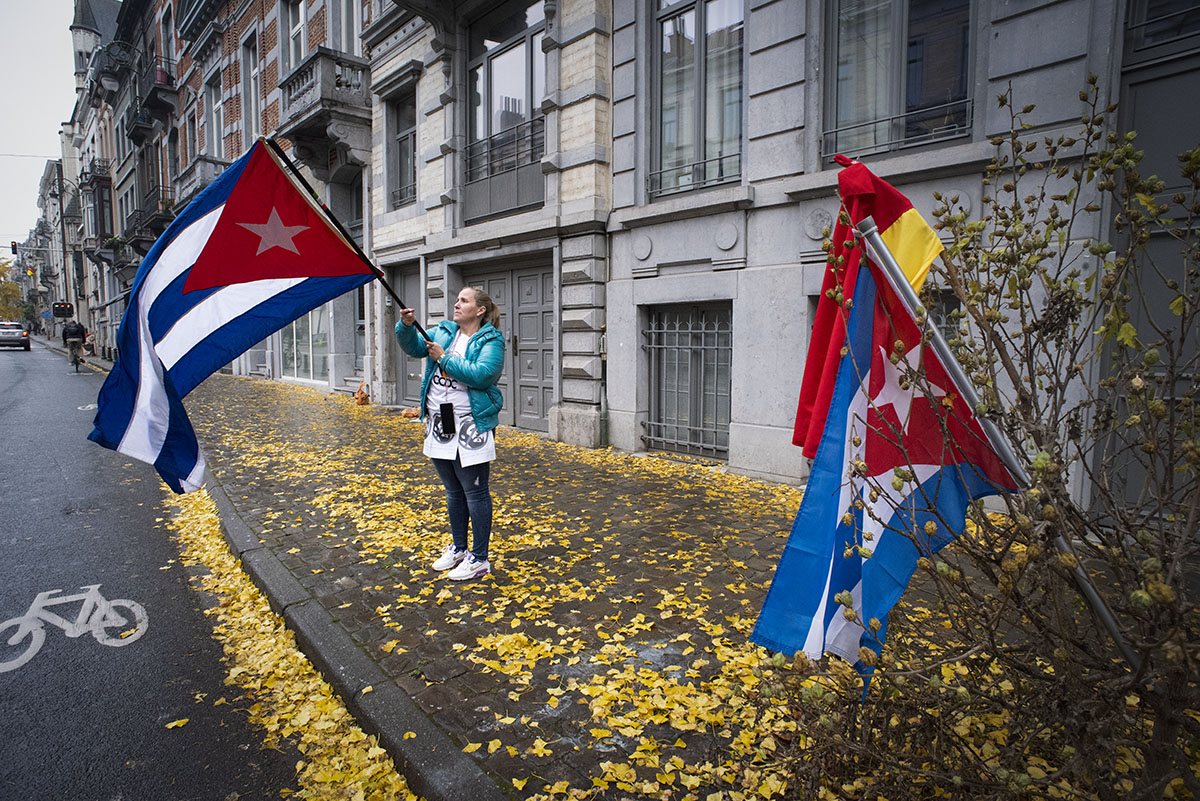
(58, 192)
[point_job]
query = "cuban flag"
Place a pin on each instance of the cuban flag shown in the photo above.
(250, 254)
(897, 461)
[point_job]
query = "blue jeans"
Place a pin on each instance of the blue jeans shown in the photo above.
(467, 495)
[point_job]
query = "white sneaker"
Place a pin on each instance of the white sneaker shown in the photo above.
(470, 568)
(449, 558)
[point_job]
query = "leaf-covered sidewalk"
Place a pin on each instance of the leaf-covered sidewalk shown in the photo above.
(607, 654)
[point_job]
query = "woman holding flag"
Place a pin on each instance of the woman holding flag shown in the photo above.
(460, 404)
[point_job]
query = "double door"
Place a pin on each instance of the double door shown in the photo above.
(525, 297)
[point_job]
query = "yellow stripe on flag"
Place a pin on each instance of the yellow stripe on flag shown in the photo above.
(914, 244)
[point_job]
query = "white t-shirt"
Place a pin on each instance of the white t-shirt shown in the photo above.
(467, 443)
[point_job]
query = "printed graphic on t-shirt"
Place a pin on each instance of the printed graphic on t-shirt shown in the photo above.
(470, 437)
(434, 423)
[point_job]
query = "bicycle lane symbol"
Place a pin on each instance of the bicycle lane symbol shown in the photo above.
(114, 623)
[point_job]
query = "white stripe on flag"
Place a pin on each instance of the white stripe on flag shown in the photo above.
(177, 257)
(216, 310)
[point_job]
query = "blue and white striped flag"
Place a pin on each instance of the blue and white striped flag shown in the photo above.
(250, 254)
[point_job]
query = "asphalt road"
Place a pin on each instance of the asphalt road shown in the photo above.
(81, 720)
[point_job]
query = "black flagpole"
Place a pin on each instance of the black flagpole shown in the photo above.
(342, 229)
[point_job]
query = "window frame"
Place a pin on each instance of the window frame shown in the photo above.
(396, 138)
(351, 14)
(897, 90)
(295, 28)
(483, 62)
(214, 116)
(661, 15)
(251, 88)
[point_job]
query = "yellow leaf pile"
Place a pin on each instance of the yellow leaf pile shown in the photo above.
(288, 699)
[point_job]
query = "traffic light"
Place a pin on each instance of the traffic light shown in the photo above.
(14, 247)
(63, 309)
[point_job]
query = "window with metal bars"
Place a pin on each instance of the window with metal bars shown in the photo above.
(690, 348)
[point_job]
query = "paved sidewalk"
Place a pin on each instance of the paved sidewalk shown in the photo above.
(608, 648)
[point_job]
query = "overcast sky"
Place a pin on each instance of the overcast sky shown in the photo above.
(37, 93)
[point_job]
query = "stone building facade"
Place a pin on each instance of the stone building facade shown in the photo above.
(640, 184)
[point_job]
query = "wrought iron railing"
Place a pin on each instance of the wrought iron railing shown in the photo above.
(404, 195)
(722, 168)
(159, 74)
(513, 147)
(158, 200)
(920, 126)
(96, 168)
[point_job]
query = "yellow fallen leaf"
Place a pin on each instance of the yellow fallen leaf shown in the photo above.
(519, 783)
(368, 688)
(471, 748)
(408, 735)
(493, 746)
(175, 724)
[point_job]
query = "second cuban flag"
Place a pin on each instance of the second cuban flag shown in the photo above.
(250, 254)
(898, 460)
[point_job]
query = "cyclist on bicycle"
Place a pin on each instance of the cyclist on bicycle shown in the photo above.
(72, 335)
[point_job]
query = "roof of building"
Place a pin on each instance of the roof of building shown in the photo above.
(97, 15)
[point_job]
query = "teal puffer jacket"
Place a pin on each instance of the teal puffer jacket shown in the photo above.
(479, 369)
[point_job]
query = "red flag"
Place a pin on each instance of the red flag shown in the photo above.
(909, 238)
(270, 228)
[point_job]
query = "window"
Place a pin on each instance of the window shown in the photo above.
(690, 350)
(173, 155)
(699, 110)
(900, 70)
(168, 37)
(506, 81)
(351, 10)
(214, 118)
(104, 222)
(191, 136)
(251, 89)
(304, 346)
(403, 183)
(1158, 22)
(294, 14)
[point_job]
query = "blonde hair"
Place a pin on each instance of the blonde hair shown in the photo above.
(491, 310)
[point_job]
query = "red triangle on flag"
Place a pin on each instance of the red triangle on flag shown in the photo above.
(270, 229)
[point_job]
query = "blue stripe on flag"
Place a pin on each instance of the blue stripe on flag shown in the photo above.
(143, 415)
(799, 612)
(235, 337)
(814, 549)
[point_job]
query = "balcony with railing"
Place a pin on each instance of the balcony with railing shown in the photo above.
(504, 172)
(326, 103)
(200, 173)
(95, 170)
(139, 124)
(158, 87)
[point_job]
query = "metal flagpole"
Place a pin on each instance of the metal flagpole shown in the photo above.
(378, 273)
(881, 255)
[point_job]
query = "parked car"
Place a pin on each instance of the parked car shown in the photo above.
(14, 335)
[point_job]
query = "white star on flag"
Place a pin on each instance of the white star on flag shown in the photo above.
(274, 234)
(891, 393)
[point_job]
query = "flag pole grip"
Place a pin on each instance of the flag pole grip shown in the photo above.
(378, 273)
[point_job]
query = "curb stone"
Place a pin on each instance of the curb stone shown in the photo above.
(434, 767)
